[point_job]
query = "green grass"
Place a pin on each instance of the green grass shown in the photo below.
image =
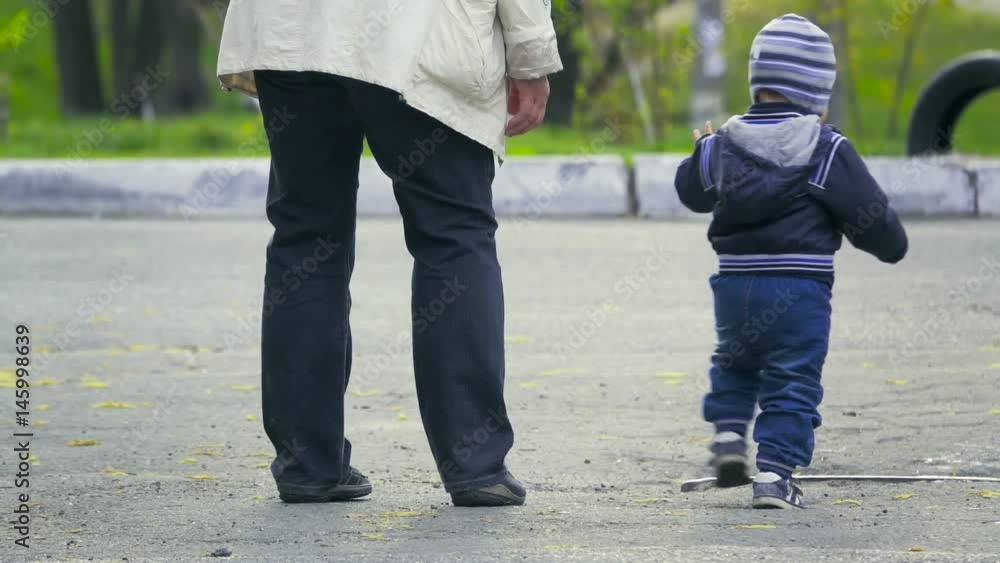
(203, 135)
(240, 135)
(38, 130)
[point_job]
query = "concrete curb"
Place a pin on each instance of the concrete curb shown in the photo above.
(525, 187)
(987, 180)
(207, 188)
(922, 187)
(925, 186)
(654, 186)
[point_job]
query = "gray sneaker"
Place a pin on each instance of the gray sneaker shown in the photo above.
(509, 492)
(729, 458)
(770, 490)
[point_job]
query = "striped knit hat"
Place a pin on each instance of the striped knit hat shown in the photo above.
(795, 58)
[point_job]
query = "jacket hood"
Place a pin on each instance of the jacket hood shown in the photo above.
(764, 167)
(790, 142)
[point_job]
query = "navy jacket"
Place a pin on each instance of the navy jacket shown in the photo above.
(783, 188)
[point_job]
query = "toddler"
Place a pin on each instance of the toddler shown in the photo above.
(782, 187)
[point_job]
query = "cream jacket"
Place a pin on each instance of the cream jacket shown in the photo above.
(446, 58)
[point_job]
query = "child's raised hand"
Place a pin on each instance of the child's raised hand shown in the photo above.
(708, 131)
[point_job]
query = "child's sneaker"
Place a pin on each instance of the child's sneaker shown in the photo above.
(729, 458)
(770, 490)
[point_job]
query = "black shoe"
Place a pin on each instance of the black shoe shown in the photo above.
(509, 492)
(355, 485)
(729, 458)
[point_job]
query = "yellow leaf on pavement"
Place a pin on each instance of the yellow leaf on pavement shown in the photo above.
(406, 513)
(113, 405)
(517, 339)
(82, 442)
(92, 382)
(672, 374)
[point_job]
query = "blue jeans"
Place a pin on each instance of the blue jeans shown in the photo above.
(773, 335)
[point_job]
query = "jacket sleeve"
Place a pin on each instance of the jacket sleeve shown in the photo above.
(694, 181)
(530, 38)
(860, 207)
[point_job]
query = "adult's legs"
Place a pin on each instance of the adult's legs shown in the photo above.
(442, 182)
(316, 143)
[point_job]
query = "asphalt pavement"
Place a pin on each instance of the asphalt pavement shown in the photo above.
(145, 357)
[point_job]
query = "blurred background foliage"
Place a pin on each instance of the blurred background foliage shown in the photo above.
(627, 87)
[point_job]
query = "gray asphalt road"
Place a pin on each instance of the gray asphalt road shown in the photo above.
(606, 405)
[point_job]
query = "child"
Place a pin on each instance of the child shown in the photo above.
(782, 187)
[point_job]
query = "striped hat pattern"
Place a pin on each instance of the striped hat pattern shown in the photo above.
(795, 58)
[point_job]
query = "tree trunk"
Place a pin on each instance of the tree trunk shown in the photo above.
(563, 84)
(187, 90)
(122, 47)
(903, 73)
(4, 106)
(707, 99)
(150, 36)
(634, 74)
(76, 56)
(851, 85)
(831, 16)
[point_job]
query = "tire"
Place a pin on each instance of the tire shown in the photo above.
(942, 102)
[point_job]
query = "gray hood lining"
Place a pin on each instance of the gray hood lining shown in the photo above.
(789, 143)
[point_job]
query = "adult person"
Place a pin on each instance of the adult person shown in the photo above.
(429, 84)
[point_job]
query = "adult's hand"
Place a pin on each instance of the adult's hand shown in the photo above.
(526, 102)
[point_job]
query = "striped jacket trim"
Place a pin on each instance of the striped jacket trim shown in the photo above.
(741, 263)
(819, 177)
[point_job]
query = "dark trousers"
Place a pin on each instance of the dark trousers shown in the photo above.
(316, 124)
(773, 336)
